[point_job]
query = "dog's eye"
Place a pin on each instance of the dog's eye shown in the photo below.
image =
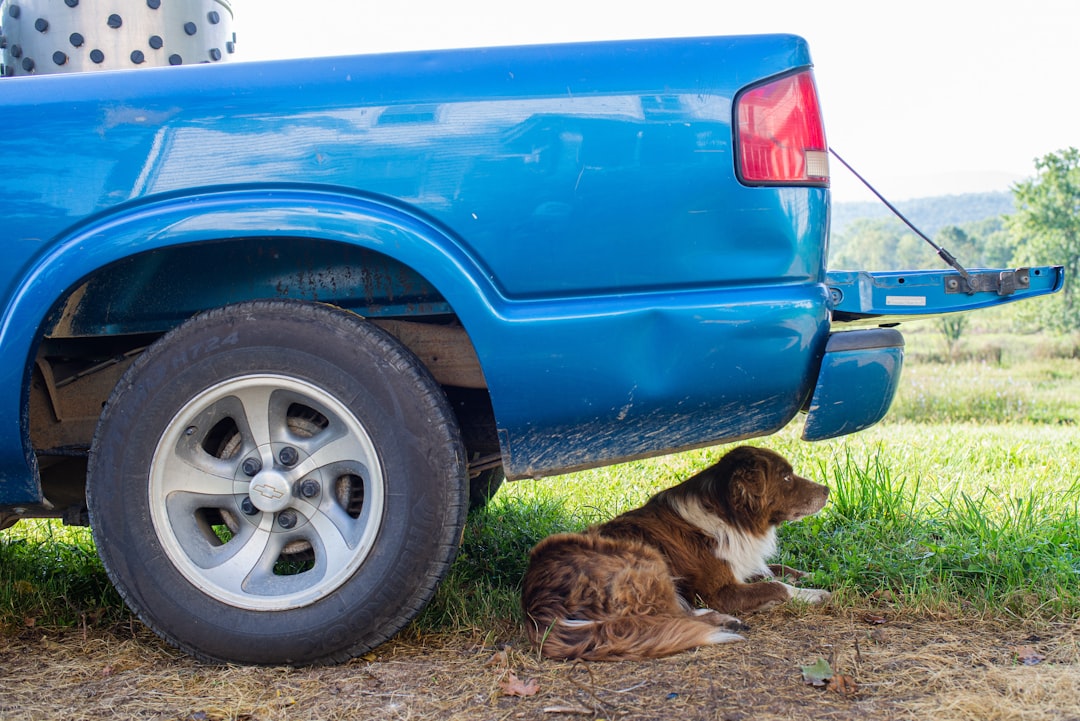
(788, 478)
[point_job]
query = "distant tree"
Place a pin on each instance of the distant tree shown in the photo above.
(1047, 227)
(866, 245)
(912, 252)
(960, 244)
(886, 244)
(996, 245)
(878, 244)
(952, 326)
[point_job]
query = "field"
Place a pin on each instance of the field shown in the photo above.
(951, 542)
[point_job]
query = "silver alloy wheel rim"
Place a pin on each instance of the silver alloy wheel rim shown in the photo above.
(258, 540)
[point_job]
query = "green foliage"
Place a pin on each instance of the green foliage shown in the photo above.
(996, 246)
(1047, 221)
(881, 244)
(50, 575)
(888, 244)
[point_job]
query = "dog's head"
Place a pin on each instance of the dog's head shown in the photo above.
(759, 488)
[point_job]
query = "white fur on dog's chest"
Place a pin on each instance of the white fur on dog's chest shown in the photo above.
(746, 553)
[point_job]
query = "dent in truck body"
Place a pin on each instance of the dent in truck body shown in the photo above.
(663, 370)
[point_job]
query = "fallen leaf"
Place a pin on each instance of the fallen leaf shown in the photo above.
(843, 685)
(513, 686)
(29, 621)
(817, 674)
(1028, 656)
(874, 619)
(498, 659)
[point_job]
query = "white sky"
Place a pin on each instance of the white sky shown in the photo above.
(923, 97)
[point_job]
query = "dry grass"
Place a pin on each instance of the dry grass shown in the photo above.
(908, 667)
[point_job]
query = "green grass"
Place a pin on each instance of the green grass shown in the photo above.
(970, 516)
(51, 576)
(994, 378)
(966, 497)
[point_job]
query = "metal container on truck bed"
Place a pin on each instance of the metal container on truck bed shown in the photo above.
(42, 37)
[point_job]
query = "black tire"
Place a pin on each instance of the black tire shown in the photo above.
(235, 548)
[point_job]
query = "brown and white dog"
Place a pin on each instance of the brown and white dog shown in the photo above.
(626, 589)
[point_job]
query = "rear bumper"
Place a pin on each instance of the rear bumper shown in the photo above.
(855, 386)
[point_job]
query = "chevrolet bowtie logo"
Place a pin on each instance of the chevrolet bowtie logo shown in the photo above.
(268, 491)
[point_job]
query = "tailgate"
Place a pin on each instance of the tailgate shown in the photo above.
(889, 297)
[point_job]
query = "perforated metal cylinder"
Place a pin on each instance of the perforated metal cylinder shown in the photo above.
(64, 36)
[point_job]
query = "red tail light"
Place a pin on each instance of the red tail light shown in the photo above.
(781, 139)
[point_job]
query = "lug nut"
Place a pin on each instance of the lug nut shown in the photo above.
(287, 519)
(251, 466)
(288, 456)
(309, 488)
(248, 507)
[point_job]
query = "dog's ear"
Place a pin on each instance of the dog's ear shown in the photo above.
(748, 482)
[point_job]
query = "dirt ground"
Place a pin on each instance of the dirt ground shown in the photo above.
(884, 667)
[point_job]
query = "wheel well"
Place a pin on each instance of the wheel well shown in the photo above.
(99, 328)
(154, 291)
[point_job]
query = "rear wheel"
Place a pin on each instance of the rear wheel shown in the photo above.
(277, 482)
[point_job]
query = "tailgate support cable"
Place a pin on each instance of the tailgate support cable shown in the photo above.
(942, 253)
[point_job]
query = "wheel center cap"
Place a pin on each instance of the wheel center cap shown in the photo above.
(270, 492)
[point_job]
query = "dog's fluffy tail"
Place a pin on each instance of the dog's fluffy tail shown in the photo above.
(625, 637)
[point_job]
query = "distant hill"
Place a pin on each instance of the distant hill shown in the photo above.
(928, 214)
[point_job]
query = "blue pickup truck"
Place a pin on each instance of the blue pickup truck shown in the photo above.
(270, 328)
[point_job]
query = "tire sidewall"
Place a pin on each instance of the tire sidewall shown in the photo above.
(391, 396)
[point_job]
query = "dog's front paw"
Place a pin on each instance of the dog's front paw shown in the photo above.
(808, 595)
(781, 571)
(722, 620)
